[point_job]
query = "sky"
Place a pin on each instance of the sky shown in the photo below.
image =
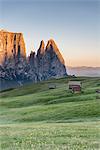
(73, 24)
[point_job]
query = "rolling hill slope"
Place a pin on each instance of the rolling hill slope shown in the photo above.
(51, 115)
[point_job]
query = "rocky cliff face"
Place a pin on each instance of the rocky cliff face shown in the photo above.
(47, 63)
(50, 63)
(11, 45)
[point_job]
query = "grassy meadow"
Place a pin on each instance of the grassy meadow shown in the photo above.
(34, 117)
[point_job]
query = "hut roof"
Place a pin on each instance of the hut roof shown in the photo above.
(74, 83)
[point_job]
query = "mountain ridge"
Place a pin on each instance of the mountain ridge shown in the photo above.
(84, 71)
(47, 63)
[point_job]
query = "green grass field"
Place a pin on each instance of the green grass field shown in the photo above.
(35, 117)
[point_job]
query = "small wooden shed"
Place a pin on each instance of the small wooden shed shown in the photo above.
(98, 94)
(52, 86)
(75, 86)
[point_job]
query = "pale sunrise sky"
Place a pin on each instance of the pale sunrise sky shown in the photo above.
(73, 24)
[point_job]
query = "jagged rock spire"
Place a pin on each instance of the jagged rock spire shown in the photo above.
(52, 45)
(41, 48)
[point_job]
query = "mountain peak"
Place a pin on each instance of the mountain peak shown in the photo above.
(11, 45)
(42, 47)
(52, 45)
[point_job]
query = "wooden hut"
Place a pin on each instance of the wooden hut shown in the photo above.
(51, 86)
(75, 86)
